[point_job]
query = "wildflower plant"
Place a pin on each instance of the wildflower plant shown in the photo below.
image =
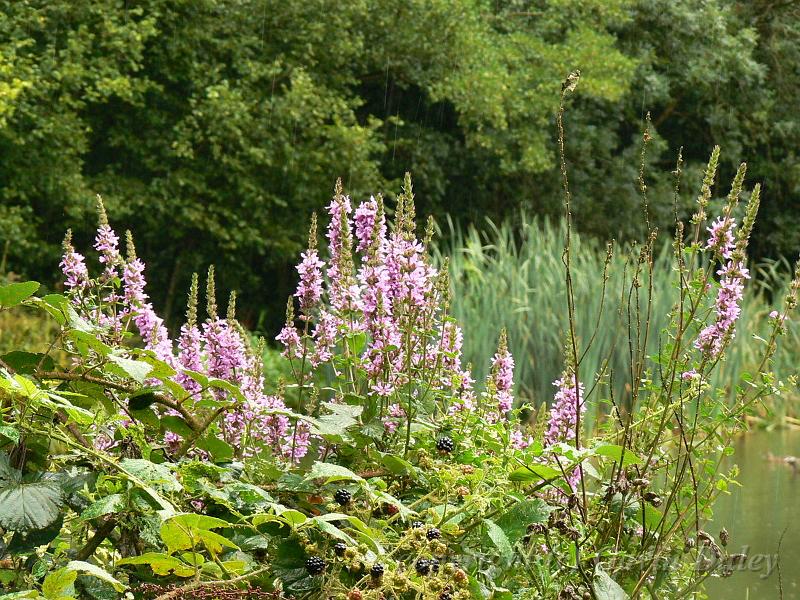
(162, 462)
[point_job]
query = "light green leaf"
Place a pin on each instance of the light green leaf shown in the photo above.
(331, 472)
(606, 588)
(615, 452)
(136, 369)
(104, 506)
(533, 473)
(59, 583)
(14, 293)
(94, 571)
(161, 564)
(499, 539)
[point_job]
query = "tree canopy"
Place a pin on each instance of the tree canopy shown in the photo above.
(211, 125)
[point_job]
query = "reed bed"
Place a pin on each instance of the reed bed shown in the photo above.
(511, 275)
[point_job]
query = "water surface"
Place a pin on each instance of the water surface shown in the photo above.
(757, 514)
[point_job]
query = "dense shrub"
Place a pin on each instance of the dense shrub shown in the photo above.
(380, 469)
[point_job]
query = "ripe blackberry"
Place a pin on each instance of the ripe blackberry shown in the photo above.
(342, 496)
(434, 565)
(315, 565)
(445, 444)
(417, 524)
(445, 596)
(423, 566)
(339, 548)
(376, 571)
(433, 534)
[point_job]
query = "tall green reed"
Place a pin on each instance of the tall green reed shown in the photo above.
(511, 275)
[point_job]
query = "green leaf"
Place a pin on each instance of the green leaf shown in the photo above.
(29, 506)
(533, 473)
(514, 522)
(14, 293)
(136, 369)
(160, 476)
(606, 588)
(186, 531)
(220, 450)
(85, 340)
(499, 539)
(161, 564)
(176, 425)
(59, 583)
(333, 531)
(12, 433)
(331, 472)
(95, 571)
(615, 452)
(107, 505)
(27, 362)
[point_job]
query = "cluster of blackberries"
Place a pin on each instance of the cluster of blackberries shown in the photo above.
(342, 496)
(426, 565)
(445, 444)
(315, 565)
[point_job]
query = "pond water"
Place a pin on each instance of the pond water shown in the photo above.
(756, 515)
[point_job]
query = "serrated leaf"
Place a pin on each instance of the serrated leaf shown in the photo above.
(59, 583)
(331, 472)
(186, 531)
(514, 522)
(135, 369)
(104, 506)
(160, 476)
(499, 539)
(220, 450)
(12, 433)
(29, 506)
(533, 473)
(606, 588)
(615, 452)
(161, 564)
(14, 293)
(79, 566)
(27, 362)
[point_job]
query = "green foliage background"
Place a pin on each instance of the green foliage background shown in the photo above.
(211, 125)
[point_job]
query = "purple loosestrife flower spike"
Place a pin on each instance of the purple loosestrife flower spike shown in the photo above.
(503, 375)
(289, 336)
(73, 265)
(106, 243)
(309, 288)
(567, 404)
(190, 342)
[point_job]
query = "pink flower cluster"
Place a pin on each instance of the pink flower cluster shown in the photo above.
(215, 349)
(712, 339)
(381, 286)
(567, 405)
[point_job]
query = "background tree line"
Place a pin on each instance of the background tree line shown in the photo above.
(216, 126)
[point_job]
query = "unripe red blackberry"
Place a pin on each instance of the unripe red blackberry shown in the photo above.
(445, 444)
(315, 565)
(342, 496)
